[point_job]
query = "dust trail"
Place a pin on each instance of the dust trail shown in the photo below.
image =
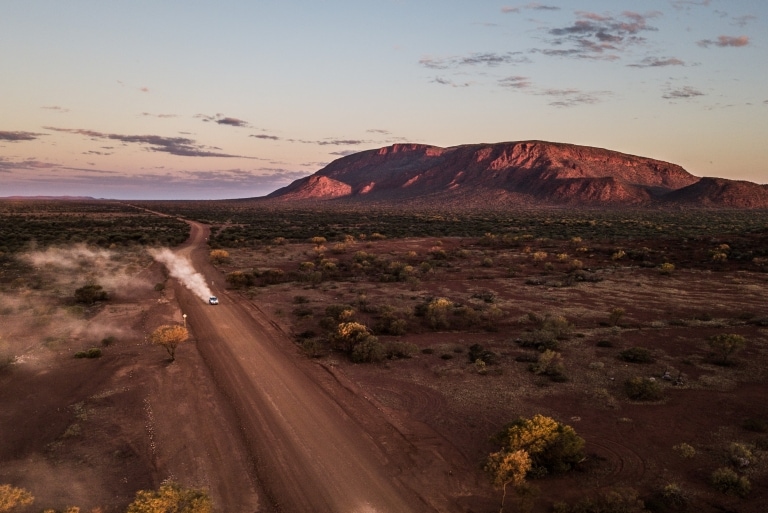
(181, 269)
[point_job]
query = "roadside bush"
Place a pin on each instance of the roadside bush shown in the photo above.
(643, 389)
(218, 256)
(727, 481)
(12, 497)
(171, 497)
(636, 355)
(93, 352)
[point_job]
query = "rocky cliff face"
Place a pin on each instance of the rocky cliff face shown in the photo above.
(527, 173)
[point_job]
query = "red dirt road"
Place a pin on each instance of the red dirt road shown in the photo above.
(316, 443)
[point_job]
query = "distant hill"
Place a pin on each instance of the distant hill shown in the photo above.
(525, 173)
(58, 198)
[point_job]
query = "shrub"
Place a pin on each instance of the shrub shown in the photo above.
(636, 355)
(437, 313)
(478, 352)
(549, 364)
(616, 315)
(666, 268)
(93, 352)
(725, 345)
(552, 446)
(91, 293)
(400, 349)
(740, 455)
(685, 450)
(171, 497)
(727, 481)
(643, 389)
(369, 350)
(11, 497)
(218, 256)
(622, 500)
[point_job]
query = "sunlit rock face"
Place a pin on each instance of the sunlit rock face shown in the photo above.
(525, 173)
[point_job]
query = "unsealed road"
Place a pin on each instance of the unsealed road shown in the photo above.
(311, 451)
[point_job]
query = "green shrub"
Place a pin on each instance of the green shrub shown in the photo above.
(726, 345)
(478, 352)
(636, 355)
(369, 350)
(93, 352)
(727, 481)
(685, 450)
(643, 389)
(89, 294)
(400, 349)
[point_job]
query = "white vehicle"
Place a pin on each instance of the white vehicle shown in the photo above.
(213, 300)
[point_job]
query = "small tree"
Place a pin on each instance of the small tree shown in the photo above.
(508, 468)
(218, 256)
(171, 498)
(12, 497)
(169, 336)
(726, 344)
(438, 311)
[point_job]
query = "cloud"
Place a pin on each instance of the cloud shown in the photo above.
(743, 21)
(343, 153)
(342, 142)
(515, 82)
(378, 131)
(682, 93)
(725, 41)
(265, 136)
(657, 62)
(597, 36)
(55, 108)
(490, 59)
(449, 82)
(18, 136)
(573, 97)
(533, 6)
(221, 119)
(144, 89)
(180, 146)
(161, 116)
(687, 4)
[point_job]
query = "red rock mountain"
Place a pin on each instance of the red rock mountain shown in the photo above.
(525, 173)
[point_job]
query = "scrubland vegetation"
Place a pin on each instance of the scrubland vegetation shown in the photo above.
(615, 325)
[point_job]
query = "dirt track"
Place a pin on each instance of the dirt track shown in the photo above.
(317, 444)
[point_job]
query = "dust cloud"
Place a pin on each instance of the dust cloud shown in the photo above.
(181, 269)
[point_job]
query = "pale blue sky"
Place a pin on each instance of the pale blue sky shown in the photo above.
(201, 99)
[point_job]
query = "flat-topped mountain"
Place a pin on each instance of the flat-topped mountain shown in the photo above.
(525, 173)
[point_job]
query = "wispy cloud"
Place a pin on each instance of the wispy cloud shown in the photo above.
(161, 116)
(55, 108)
(682, 93)
(180, 146)
(265, 136)
(378, 131)
(221, 119)
(743, 21)
(657, 62)
(565, 97)
(343, 153)
(449, 82)
(515, 82)
(687, 4)
(725, 41)
(573, 97)
(532, 6)
(490, 59)
(598, 36)
(18, 136)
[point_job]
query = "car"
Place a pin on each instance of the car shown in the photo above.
(213, 300)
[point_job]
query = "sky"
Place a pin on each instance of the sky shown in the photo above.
(193, 99)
